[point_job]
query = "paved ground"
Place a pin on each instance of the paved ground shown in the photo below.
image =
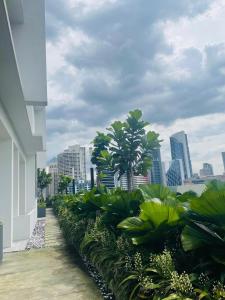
(48, 273)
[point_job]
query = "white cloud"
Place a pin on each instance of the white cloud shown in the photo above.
(198, 32)
(106, 57)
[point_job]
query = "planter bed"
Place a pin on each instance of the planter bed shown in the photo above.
(139, 245)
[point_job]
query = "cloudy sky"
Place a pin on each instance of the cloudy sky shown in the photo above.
(166, 57)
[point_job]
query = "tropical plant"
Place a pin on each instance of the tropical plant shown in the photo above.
(144, 258)
(157, 220)
(152, 191)
(43, 180)
(101, 144)
(215, 185)
(120, 205)
(130, 147)
(64, 181)
(206, 225)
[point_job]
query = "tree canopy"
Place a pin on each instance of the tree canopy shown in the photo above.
(126, 148)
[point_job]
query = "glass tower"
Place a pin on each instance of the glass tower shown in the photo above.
(180, 150)
(156, 169)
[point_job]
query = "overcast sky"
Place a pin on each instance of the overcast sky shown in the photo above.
(166, 57)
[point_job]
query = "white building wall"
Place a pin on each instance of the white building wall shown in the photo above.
(30, 50)
(6, 188)
(22, 114)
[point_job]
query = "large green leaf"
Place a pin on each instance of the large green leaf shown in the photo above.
(151, 191)
(206, 228)
(210, 205)
(155, 221)
(158, 213)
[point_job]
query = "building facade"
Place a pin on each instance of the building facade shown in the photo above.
(137, 180)
(223, 158)
(207, 170)
(23, 97)
(175, 174)
(156, 172)
(72, 162)
(108, 179)
(180, 150)
(52, 169)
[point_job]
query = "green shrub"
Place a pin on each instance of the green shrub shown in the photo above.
(151, 243)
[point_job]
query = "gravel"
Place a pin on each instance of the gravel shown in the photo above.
(37, 239)
(106, 293)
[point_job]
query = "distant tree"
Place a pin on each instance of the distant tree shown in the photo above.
(64, 181)
(101, 144)
(43, 180)
(130, 147)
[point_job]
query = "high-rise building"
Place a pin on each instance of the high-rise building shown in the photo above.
(180, 150)
(156, 172)
(23, 98)
(207, 170)
(223, 157)
(53, 186)
(137, 180)
(72, 162)
(175, 174)
(108, 179)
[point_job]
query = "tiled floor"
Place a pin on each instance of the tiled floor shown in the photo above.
(48, 273)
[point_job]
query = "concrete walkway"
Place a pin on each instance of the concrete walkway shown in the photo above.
(48, 273)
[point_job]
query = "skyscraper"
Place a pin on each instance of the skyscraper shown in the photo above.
(223, 157)
(207, 170)
(72, 162)
(175, 174)
(180, 150)
(156, 172)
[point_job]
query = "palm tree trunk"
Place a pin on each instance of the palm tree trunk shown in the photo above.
(130, 180)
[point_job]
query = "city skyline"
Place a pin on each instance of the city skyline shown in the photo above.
(216, 162)
(97, 73)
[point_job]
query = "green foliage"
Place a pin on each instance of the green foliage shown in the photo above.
(152, 191)
(121, 205)
(137, 240)
(127, 148)
(156, 221)
(43, 180)
(206, 225)
(101, 144)
(64, 181)
(41, 204)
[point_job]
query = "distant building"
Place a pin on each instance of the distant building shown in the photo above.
(156, 172)
(180, 151)
(78, 186)
(137, 180)
(204, 180)
(108, 179)
(53, 186)
(207, 170)
(223, 157)
(175, 174)
(89, 164)
(72, 162)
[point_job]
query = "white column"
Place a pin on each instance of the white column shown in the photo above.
(6, 190)
(22, 185)
(30, 185)
(15, 182)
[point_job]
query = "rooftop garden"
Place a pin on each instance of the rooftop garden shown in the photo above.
(146, 243)
(150, 243)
